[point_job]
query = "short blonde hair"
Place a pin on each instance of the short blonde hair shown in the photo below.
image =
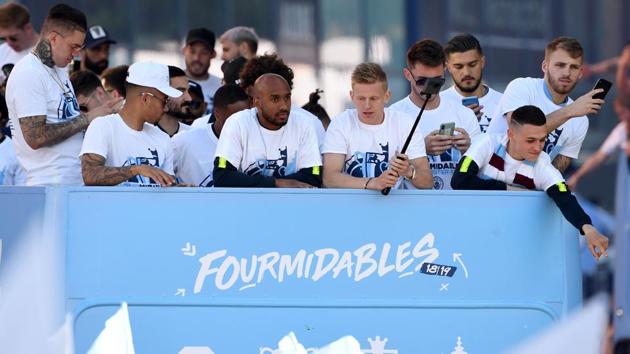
(369, 73)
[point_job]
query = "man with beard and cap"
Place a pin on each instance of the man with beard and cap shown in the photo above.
(176, 108)
(18, 33)
(465, 62)
(566, 119)
(197, 106)
(198, 52)
(126, 148)
(95, 55)
(268, 145)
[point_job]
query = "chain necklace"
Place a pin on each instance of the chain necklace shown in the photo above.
(66, 93)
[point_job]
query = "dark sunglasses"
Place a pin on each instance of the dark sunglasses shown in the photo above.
(421, 80)
(194, 104)
(9, 39)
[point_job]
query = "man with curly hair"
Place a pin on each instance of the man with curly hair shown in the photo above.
(272, 64)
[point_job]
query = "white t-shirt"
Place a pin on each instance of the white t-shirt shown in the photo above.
(565, 140)
(11, 173)
(489, 101)
(121, 146)
(482, 151)
(209, 86)
(442, 166)
(255, 150)
(369, 148)
(193, 155)
(34, 89)
(10, 56)
(317, 124)
(201, 121)
(617, 139)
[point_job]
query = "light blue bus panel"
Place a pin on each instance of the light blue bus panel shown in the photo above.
(235, 270)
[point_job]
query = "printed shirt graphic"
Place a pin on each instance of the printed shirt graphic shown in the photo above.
(193, 155)
(32, 90)
(442, 166)
(565, 140)
(369, 148)
(493, 146)
(255, 150)
(490, 102)
(110, 137)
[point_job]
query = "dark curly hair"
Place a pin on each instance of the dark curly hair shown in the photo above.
(265, 64)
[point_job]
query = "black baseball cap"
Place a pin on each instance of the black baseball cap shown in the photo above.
(202, 35)
(97, 35)
(195, 89)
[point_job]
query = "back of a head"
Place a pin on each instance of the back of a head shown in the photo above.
(315, 108)
(369, 73)
(568, 44)
(64, 18)
(426, 52)
(13, 15)
(242, 34)
(265, 64)
(116, 77)
(84, 82)
(174, 71)
(462, 43)
(528, 115)
(229, 94)
(232, 69)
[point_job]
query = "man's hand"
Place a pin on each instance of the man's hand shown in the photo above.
(159, 176)
(585, 105)
(477, 109)
(596, 242)
(110, 107)
(462, 140)
(386, 179)
(291, 183)
(437, 144)
(400, 165)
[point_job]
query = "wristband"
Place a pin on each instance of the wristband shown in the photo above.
(366, 183)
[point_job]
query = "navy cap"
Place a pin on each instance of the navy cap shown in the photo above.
(202, 35)
(195, 89)
(97, 35)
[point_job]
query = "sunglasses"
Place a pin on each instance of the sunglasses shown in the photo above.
(195, 104)
(9, 38)
(421, 80)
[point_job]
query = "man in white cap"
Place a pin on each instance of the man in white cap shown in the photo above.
(126, 148)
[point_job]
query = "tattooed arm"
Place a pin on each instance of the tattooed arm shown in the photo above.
(37, 133)
(561, 162)
(95, 173)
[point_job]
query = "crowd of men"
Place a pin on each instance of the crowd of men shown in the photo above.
(150, 124)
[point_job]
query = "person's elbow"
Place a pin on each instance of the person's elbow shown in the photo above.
(329, 179)
(33, 143)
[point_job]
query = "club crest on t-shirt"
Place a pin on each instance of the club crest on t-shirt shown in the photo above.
(68, 106)
(368, 164)
(271, 168)
(153, 160)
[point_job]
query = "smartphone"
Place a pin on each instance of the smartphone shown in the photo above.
(447, 128)
(469, 101)
(602, 84)
(433, 85)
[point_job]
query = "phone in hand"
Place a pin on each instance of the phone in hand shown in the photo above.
(447, 128)
(602, 84)
(469, 101)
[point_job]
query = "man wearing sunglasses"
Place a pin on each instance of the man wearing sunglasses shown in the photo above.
(425, 59)
(17, 33)
(46, 121)
(126, 148)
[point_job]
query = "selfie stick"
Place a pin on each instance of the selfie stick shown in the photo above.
(386, 190)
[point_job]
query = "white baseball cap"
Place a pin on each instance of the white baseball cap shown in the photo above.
(149, 74)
